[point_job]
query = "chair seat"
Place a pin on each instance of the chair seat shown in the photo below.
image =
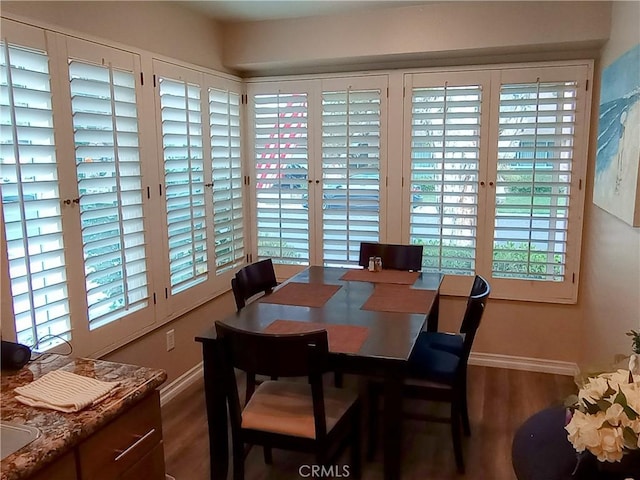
(433, 364)
(287, 408)
(449, 342)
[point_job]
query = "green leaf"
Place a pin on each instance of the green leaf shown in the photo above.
(631, 413)
(603, 405)
(620, 399)
(629, 436)
(592, 408)
(609, 391)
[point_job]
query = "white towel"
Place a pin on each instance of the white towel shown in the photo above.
(64, 391)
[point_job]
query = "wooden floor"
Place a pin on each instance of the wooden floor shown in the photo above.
(499, 401)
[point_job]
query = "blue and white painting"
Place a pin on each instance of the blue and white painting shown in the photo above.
(618, 157)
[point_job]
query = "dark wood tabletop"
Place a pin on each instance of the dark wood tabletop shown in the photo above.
(385, 351)
(391, 335)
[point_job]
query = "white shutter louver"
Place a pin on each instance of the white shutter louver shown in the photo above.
(281, 166)
(445, 153)
(535, 155)
(350, 173)
(31, 202)
(182, 142)
(103, 102)
(224, 122)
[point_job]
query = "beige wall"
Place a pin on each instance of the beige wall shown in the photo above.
(437, 31)
(611, 254)
(151, 351)
(159, 27)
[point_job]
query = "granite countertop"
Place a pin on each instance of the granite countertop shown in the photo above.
(60, 432)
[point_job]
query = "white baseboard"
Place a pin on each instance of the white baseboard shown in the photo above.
(523, 363)
(180, 384)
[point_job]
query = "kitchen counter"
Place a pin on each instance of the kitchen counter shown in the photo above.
(61, 432)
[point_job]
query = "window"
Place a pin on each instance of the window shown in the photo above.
(105, 122)
(182, 145)
(493, 186)
(228, 217)
(537, 198)
(281, 159)
(87, 258)
(31, 203)
(445, 164)
(319, 165)
(199, 135)
(351, 137)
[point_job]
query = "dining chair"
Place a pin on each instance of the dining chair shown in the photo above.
(437, 375)
(292, 415)
(453, 342)
(394, 257)
(253, 279)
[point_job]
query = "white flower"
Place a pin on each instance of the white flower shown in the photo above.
(614, 415)
(603, 416)
(583, 430)
(611, 443)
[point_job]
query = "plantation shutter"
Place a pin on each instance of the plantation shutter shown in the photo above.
(281, 164)
(533, 185)
(31, 202)
(105, 122)
(444, 173)
(182, 144)
(351, 131)
(224, 121)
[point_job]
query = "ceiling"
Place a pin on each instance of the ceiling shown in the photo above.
(255, 10)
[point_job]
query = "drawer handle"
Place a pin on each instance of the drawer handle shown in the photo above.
(138, 442)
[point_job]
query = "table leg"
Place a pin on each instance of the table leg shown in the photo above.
(216, 401)
(432, 318)
(392, 426)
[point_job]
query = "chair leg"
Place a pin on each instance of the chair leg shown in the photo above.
(238, 460)
(268, 458)
(356, 464)
(373, 423)
(464, 412)
(338, 379)
(455, 436)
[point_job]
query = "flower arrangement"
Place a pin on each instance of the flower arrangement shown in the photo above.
(606, 416)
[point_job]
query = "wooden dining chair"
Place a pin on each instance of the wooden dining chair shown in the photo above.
(437, 375)
(453, 342)
(259, 277)
(394, 257)
(291, 415)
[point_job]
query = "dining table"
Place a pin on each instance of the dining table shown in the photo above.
(372, 320)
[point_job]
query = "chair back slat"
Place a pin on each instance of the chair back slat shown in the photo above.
(473, 314)
(394, 257)
(275, 355)
(253, 279)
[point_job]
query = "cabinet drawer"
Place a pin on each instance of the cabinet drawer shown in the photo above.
(150, 467)
(123, 442)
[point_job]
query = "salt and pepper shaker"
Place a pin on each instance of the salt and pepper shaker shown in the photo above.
(378, 264)
(372, 264)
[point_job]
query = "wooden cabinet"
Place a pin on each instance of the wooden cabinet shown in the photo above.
(120, 445)
(62, 469)
(130, 447)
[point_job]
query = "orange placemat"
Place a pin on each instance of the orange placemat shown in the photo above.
(342, 338)
(302, 294)
(399, 277)
(399, 298)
